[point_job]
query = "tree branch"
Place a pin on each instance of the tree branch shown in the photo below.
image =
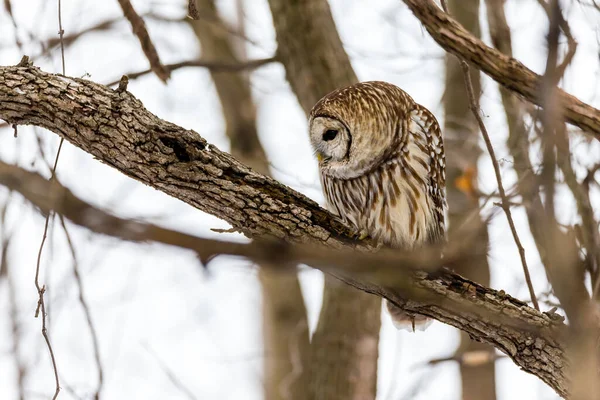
(505, 70)
(118, 130)
(139, 29)
(213, 66)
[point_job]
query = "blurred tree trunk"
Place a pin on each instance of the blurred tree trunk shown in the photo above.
(344, 348)
(461, 136)
(285, 326)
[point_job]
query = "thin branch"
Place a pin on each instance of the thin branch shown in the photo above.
(488, 143)
(42, 307)
(211, 65)
(42, 289)
(566, 29)
(518, 138)
(474, 358)
(61, 34)
(8, 7)
(172, 377)
(47, 45)
(505, 70)
(86, 310)
(581, 194)
(552, 112)
(139, 29)
(564, 270)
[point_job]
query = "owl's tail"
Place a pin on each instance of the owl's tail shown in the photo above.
(403, 320)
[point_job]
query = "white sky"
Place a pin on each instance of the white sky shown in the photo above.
(152, 302)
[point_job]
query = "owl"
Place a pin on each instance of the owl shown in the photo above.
(382, 168)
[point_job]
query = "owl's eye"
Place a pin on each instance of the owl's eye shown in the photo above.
(330, 134)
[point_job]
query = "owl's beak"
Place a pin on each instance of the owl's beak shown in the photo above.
(319, 157)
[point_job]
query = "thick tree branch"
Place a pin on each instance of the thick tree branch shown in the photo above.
(118, 130)
(505, 70)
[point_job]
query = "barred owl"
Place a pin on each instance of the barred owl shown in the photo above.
(382, 166)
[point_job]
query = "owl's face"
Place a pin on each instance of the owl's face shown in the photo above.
(354, 129)
(331, 140)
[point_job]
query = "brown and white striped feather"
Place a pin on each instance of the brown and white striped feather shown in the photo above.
(400, 202)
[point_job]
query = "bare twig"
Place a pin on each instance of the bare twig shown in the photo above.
(139, 29)
(86, 309)
(213, 66)
(488, 143)
(503, 69)
(566, 29)
(8, 7)
(42, 289)
(61, 34)
(581, 194)
(475, 358)
(518, 140)
(552, 112)
(51, 196)
(69, 39)
(565, 272)
(41, 307)
(172, 377)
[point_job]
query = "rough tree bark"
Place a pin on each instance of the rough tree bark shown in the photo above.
(461, 140)
(113, 126)
(285, 325)
(344, 348)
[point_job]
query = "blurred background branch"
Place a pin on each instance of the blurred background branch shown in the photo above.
(345, 344)
(284, 324)
(445, 296)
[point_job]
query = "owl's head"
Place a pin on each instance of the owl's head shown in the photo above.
(356, 128)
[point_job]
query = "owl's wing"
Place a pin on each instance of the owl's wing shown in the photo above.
(425, 129)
